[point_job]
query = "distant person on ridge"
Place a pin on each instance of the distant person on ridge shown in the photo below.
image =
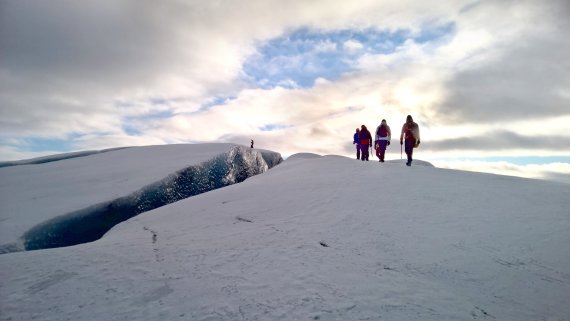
(357, 142)
(411, 135)
(252, 143)
(365, 142)
(383, 136)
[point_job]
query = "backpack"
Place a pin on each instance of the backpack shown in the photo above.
(365, 137)
(409, 132)
(382, 131)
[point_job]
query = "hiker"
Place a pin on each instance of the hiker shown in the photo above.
(252, 143)
(357, 142)
(383, 136)
(365, 142)
(411, 136)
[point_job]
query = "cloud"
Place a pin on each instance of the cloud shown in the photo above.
(523, 72)
(352, 45)
(326, 46)
(95, 54)
(523, 82)
(109, 73)
(64, 63)
(499, 141)
(559, 172)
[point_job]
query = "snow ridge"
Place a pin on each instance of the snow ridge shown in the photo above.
(91, 223)
(55, 158)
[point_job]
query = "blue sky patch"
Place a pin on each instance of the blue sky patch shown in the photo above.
(527, 160)
(297, 59)
(131, 129)
(272, 127)
(434, 33)
(36, 144)
(216, 101)
(130, 124)
(517, 160)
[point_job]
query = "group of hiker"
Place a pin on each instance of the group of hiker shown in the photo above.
(409, 139)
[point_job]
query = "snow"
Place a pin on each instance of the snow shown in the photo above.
(130, 180)
(54, 158)
(316, 238)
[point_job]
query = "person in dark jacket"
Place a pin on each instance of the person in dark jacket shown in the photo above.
(365, 142)
(356, 141)
(411, 135)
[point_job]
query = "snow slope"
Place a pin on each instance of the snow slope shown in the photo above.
(38, 199)
(318, 238)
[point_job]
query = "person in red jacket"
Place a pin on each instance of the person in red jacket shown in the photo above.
(411, 135)
(365, 142)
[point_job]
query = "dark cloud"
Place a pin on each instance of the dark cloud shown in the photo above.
(102, 41)
(557, 176)
(498, 141)
(320, 131)
(348, 148)
(530, 78)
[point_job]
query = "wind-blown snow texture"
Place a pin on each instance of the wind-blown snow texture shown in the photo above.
(182, 178)
(317, 238)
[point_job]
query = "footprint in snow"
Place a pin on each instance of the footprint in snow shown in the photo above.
(241, 219)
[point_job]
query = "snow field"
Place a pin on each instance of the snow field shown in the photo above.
(402, 243)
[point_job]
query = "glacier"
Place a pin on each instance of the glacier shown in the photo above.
(91, 222)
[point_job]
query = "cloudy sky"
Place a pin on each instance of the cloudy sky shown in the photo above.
(487, 81)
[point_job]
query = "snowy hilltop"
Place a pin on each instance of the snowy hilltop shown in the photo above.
(314, 238)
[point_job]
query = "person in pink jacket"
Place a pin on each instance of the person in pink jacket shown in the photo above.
(383, 136)
(411, 136)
